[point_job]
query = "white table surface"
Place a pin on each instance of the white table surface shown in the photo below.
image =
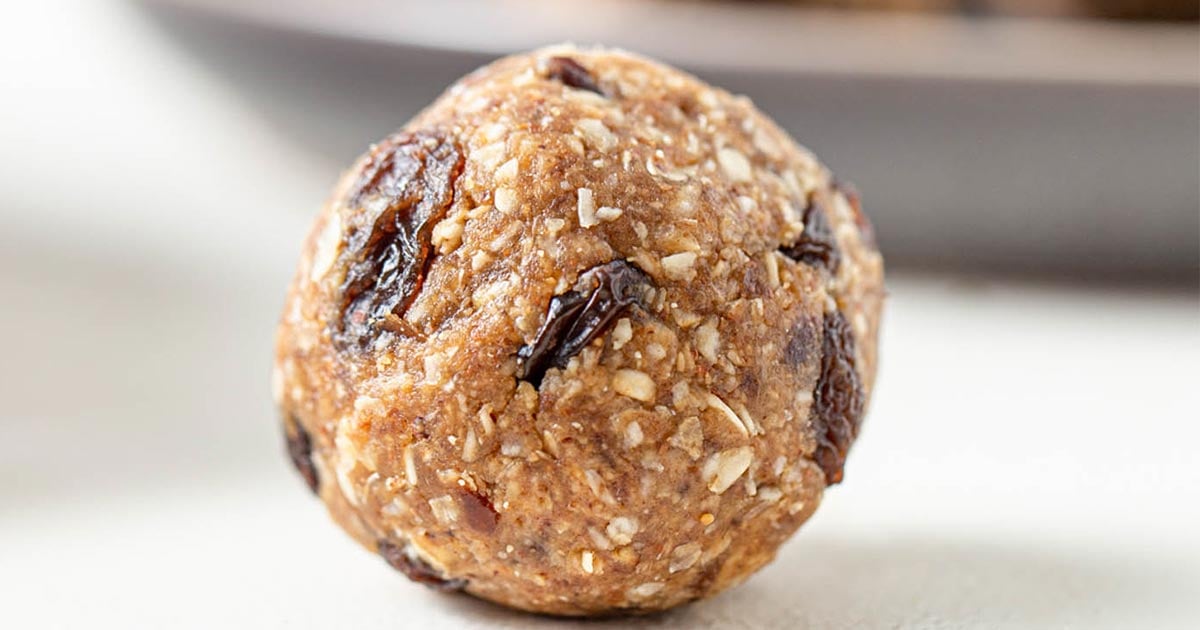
(1029, 460)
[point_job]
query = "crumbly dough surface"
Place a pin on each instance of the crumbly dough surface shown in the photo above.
(585, 336)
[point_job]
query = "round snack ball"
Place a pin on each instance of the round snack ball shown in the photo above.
(585, 336)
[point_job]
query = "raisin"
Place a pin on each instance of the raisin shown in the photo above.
(406, 188)
(816, 245)
(572, 73)
(801, 343)
(417, 569)
(479, 512)
(299, 448)
(838, 399)
(577, 317)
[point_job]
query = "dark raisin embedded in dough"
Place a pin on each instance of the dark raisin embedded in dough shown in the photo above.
(299, 447)
(405, 190)
(572, 73)
(479, 512)
(802, 341)
(816, 245)
(577, 317)
(838, 400)
(417, 569)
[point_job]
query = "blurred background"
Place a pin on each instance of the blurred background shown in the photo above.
(1032, 168)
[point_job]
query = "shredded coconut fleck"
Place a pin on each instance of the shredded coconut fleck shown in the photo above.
(586, 208)
(715, 402)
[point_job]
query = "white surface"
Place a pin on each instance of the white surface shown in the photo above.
(1028, 462)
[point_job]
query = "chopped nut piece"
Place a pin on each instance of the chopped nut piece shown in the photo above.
(507, 171)
(447, 234)
(770, 494)
(685, 319)
(395, 507)
(488, 157)
(596, 485)
(512, 447)
(643, 591)
(641, 230)
(674, 176)
(550, 443)
(621, 530)
(445, 509)
(480, 259)
(771, 264)
(485, 419)
(634, 384)
(505, 200)
(735, 165)
(708, 341)
(606, 213)
(747, 420)
(633, 434)
(684, 557)
(689, 437)
(470, 446)
(599, 539)
(679, 266)
(680, 393)
(410, 467)
(502, 241)
(622, 333)
(596, 134)
(586, 561)
(725, 467)
(765, 142)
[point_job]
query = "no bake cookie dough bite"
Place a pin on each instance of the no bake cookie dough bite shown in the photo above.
(585, 336)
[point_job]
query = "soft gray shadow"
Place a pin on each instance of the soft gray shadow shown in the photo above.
(919, 583)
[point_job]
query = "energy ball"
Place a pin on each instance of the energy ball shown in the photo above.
(586, 336)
